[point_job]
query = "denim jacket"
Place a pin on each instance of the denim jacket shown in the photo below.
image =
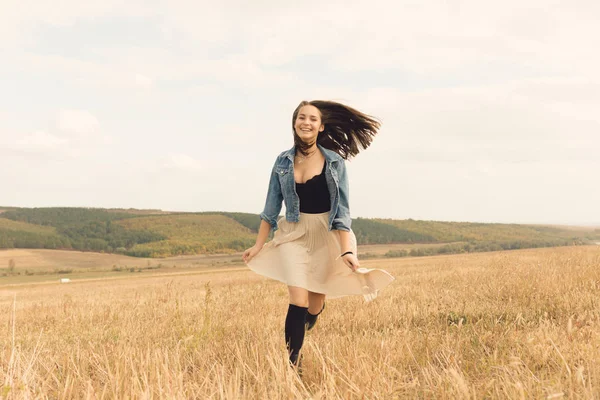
(282, 187)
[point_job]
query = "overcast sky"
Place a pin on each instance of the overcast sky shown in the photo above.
(490, 110)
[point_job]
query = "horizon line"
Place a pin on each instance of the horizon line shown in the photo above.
(591, 225)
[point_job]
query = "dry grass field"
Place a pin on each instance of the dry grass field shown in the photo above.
(520, 324)
(37, 265)
(40, 265)
(42, 260)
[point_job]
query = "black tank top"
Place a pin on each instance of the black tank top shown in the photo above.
(314, 194)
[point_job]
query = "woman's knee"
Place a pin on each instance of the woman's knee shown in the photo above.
(315, 302)
(298, 296)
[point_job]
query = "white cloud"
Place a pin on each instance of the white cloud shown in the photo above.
(143, 81)
(524, 109)
(37, 145)
(41, 140)
(423, 38)
(20, 18)
(80, 123)
(181, 162)
(458, 36)
(71, 134)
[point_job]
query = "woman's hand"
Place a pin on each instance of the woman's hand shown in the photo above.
(250, 253)
(351, 261)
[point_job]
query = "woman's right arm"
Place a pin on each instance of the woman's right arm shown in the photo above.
(263, 234)
(274, 200)
(261, 239)
(268, 216)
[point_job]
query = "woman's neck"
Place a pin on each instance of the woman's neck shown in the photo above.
(310, 153)
(312, 148)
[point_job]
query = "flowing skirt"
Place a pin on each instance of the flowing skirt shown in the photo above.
(306, 254)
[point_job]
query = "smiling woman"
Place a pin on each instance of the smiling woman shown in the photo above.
(313, 250)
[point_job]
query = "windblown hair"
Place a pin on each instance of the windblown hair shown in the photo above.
(347, 131)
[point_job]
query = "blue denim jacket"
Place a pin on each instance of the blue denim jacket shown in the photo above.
(282, 187)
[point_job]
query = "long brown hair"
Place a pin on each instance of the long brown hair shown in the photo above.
(347, 131)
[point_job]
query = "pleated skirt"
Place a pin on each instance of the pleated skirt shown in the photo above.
(306, 254)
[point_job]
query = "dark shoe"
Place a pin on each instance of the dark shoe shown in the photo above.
(311, 320)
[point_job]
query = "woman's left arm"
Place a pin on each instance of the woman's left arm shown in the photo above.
(342, 220)
(345, 241)
(350, 259)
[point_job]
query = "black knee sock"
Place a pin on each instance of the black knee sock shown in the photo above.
(311, 319)
(294, 330)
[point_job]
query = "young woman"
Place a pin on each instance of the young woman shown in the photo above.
(313, 250)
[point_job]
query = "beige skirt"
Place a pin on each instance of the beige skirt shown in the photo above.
(306, 254)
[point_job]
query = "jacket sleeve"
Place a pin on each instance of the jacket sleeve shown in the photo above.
(342, 220)
(274, 200)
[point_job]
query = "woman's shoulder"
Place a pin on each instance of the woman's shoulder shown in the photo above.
(284, 157)
(286, 154)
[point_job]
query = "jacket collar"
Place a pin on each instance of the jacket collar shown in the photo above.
(330, 156)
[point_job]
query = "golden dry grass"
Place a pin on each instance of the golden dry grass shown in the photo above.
(43, 263)
(523, 324)
(41, 259)
(87, 265)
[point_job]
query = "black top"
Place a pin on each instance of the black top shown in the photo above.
(314, 194)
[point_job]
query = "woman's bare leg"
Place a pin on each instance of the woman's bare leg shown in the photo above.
(315, 302)
(298, 296)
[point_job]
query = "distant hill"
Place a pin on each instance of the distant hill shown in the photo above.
(189, 234)
(17, 234)
(157, 233)
(471, 231)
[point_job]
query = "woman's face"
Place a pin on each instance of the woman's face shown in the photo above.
(308, 124)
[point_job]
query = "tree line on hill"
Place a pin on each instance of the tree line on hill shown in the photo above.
(478, 247)
(100, 230)
(76, 229)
